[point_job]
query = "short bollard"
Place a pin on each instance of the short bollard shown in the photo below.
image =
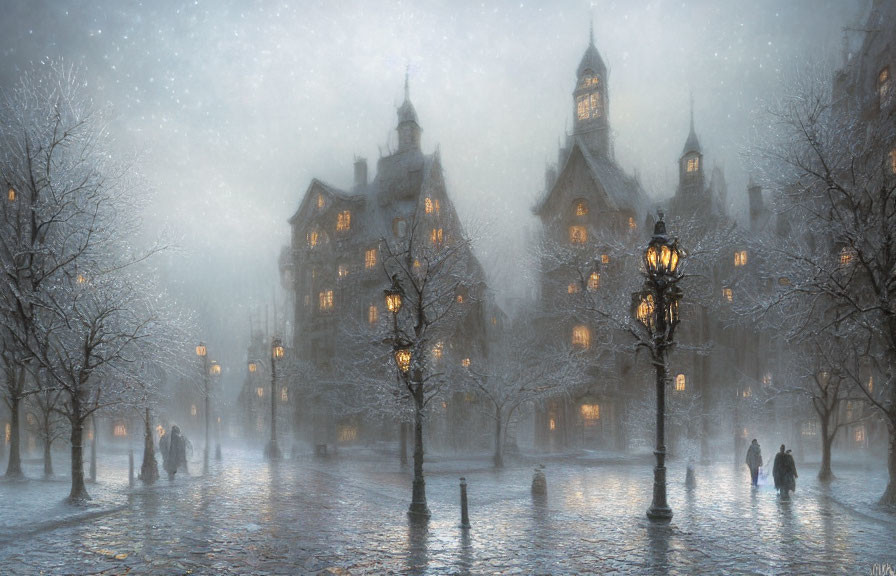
(131, 468)
(539, 483)
(464, 513)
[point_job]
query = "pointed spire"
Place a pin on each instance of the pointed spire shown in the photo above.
(407, 89)
(693, 143)
(692, 111)
(591, 31)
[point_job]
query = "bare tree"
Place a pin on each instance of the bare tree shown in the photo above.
(832, 169)
(44, 406)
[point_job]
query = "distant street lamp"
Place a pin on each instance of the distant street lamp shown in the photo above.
(656, 308)
(214, 372)
(202, 352)
(272, 450)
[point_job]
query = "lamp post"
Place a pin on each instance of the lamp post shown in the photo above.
(272, 450)
(402, 353)
(202, 352)
(656, 308)
(214, 372)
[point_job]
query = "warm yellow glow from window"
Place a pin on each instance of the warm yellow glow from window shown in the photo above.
(320, 201)
(605, 258)
(740, 258)
(437, 206)
(680, 383)
(552, 424)
(593, 281)
(693, 164)
(631, 223)
(589, 106)
(846, 256)
(427, 204)
(884, 86)
(313, 238)
(860, 434)
(581, 337)
(81, 279)
(573, 288)
(260, 391)
(748, 392)
(192, 410)
(253, 367)
(465, 362)
(437, 351)
(325, 300)
(120, 430)
(435, 236)
(581, 208)
(214, 369)
(348, 433)
(342, 271)
(284, 394)
(645, 310)
(344, 220)
(590, 412)
(728, 294)
(460, 298)
(767, 380)
(201, 350)
(578, 234)
(373, 314)
(403, 359)
(893, 161)
(870, 384)
(370, 258)
(11, 194)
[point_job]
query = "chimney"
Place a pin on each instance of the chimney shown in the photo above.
(360, 172)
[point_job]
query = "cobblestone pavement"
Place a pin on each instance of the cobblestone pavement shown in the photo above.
(345, 516)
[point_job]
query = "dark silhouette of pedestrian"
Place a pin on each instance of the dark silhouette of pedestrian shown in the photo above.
(177, 453)
(784, 471)
(754, 461)
(778, 468)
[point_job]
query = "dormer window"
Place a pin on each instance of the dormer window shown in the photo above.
(321, 201)
(692, 164)
(581, 337)
(740, 258)
(884, 87)
(427, 204)
(580, 207)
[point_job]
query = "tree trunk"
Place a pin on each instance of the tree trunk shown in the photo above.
(403, 443)
(78, 492)
(149, 470)
(827, 439)
(889, 497)
(499, 441)
(93, 440)
(14, 466)
(48, 458)
(418, 507)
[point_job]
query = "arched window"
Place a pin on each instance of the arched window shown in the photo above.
(680, 383)
(581, 337)
(580, 207)
(692, 164)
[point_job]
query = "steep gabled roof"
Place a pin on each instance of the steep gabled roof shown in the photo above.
(327, 189)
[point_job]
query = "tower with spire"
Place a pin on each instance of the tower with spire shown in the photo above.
(408, 127)
(691, 179)
(591, 101)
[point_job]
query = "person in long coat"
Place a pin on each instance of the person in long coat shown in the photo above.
(177, 453)
(790, 475)
(778, 468)
(754, 461)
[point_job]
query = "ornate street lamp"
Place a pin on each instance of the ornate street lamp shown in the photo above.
(403, 359)
(202, 352)
(272, 450)
(656, 307)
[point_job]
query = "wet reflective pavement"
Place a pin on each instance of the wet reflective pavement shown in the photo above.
(345, 516)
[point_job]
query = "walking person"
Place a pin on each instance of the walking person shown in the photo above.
(790, 474)
(754, 461)
(177, 453)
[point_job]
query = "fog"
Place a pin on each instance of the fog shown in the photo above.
(234, 106)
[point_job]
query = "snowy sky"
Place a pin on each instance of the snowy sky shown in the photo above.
(236, 105)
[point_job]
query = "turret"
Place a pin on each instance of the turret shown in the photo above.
(591, 102)
(408, 127)
(690, 163)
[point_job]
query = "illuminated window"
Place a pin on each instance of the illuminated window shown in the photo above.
(581, 337)
(552, 425)
(590, 413)
(437, 351)
(597, 106)
(589, 106)
(399, 227)
(193, 410)
(437, 206)
(884, 87)
(740, 258)
(284, 394)
(325, 300)
(605, 258)
(893, 161)
(342, 270)
(645, 310)
(870, 384)
(747, 393)
(573, 288)
(860, 434)
(120, 430)
(767, 380)
(260, 391)
(581, 207)
(321, 201)
(809, 428)
(465, 362)
(693, 164)
(11, 194)
(313, 238)
(578, 234)
(373, 314)
(846, 256)
(370, 258)
(728, 294)
(348, 433)
(344, 220)
(428, 205)
(631, 223)
(593, 281)
(460, 298)
(435, 236)
(589, 80)
(680, 383)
